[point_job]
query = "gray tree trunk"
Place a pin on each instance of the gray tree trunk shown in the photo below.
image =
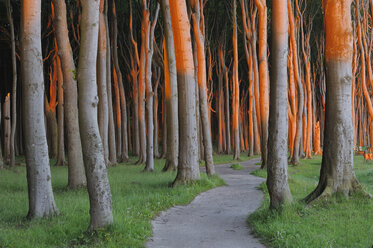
(171, 98)
(277, 179)
(93, 151)
(111, 129)
(103, 117)
(76, 175)
(188, 169)
(14, 84)
(41, 199)
(7, 128)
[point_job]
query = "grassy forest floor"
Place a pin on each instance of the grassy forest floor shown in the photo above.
(340, 222)
(137, 198)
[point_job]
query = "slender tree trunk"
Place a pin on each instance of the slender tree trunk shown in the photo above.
(236, 89)
(60, 117)
(277, 180)
(103, 117)
(41, 199)
(76, 176)
(123, 104)
(111, 129)
(188, 169)
(155, 110)
(7, 128)
(14, 84)
(93, 151)
(1, 149)
(199, 39)
(336, 174)
(263, 78)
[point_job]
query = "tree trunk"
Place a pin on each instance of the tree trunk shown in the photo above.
(76, 176)
(336, 174)
(199, 39)
(155, 111)
(60, 117)
(1, 149)
(111, 126)
(93, 151)
(123, 105)
(277, 180)
(263, 78)
(41, 199)
(7, 128)
(14, 84)
(188, 169)
(103, 117)
(236, 89)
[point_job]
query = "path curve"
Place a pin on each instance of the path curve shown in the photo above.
(216, 218)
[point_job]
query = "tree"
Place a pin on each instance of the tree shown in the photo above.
(336, 174)
(93, 151)
(188, 149)
(277, 180)
(263, 78)
(236, 89)
(76, 175)
(170, 95)
(14, 83)
(41, 199)
(199, 33)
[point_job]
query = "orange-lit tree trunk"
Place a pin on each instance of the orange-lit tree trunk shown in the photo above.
(76, 175)
(170, 91)
(60, 117)
(277, 180)
(336, 174)
(236, 89)
(198, 28)
(298, 82)
(188, 169)
(263, 78)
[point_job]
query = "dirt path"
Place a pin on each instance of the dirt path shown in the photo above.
(216, 218)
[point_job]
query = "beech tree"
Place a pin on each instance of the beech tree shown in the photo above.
(76, 175)
(41, 199)
(188, 148)
(93, 151)
(171, 97)
(277, 179)
(336, 174)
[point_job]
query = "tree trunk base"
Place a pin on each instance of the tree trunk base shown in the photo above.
(169, 166)
(324, 191)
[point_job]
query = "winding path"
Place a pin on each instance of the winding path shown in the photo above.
(216, 218)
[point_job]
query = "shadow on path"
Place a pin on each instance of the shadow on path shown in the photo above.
(216, 218)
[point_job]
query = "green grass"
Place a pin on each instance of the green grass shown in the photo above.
(137, 198)
(236, 166)
(340, 222)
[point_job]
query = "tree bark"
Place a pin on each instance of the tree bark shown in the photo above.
(188, 169)
(14, 84)
(41, 199)
(7, 128)
(60, 117)
(336, 174)
(236, 89)
(103, 117)
(203, 107)
(277, 179)
(93, 151)
(76, 175)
